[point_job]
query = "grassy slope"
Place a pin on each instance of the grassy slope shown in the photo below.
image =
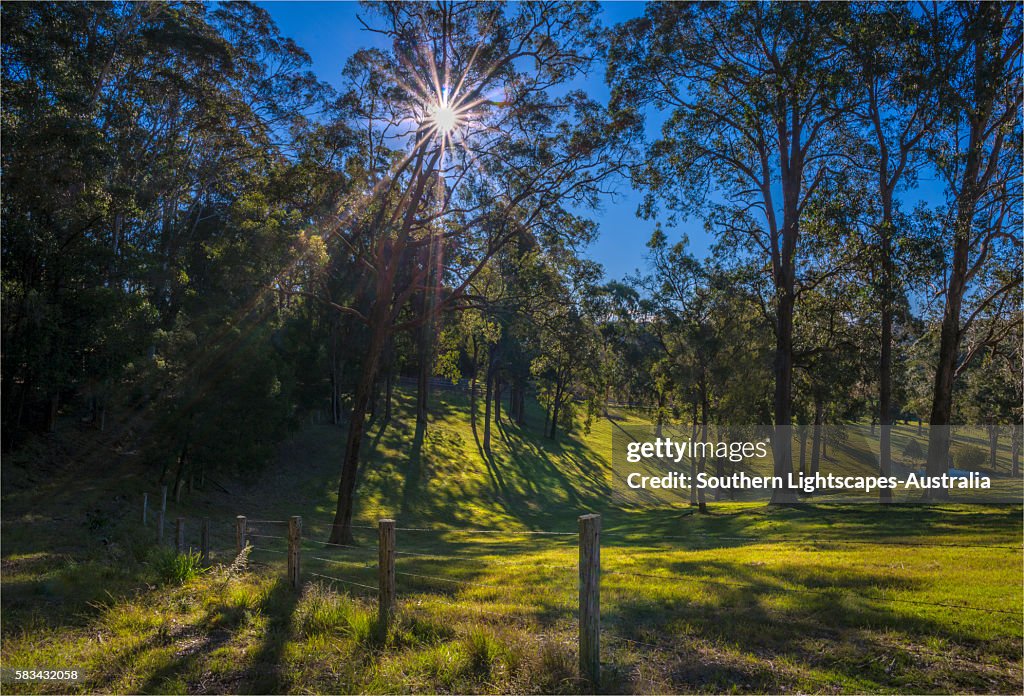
(708, 601)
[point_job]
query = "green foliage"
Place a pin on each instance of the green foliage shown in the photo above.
(912, 450)
(171, 567)
(969, 457)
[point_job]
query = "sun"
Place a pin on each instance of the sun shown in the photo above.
(444, 116)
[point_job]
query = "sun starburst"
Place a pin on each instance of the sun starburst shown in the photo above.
(444, 117)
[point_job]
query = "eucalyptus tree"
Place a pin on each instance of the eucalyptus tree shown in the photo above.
(465, 148)
(146, 191)
(895, 57)
(977, 153)
(705, 326)
(831, 357)
(567, 360)
(992, 397)
(753, 93)
(630, 346)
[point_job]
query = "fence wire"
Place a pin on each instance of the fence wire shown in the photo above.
(822, 542)
(331, 578)
(830, 592)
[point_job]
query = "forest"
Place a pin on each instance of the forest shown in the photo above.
(210, 253)
(204, 243)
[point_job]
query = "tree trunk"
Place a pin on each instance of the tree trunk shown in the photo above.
(179, 476)
(803, 450)
(693, 460)
(1015, 450)
(942, 399)
(885, 394)
(488, 390)
(472, 398)
(816, 439)
(425, 372)
(993, 444)
(782, 442)
(702, 505)
(521, 406)
(497, 399)
(335, 376)
(555, 409)
(52, 411)
(389, 389)
(341, 528)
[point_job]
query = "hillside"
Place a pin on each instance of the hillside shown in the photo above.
(815, 598)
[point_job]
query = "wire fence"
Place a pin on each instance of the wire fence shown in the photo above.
(484, 561)
(819, 542)
(469, 577)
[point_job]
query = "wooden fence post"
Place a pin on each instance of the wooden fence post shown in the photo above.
(145, 508)
(160, 528)
(386, 569)
(204, 541)
(590, 598)
(179, 535)
(240, 532)
(294, 547)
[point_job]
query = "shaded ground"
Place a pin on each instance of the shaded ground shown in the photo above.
(815, 598)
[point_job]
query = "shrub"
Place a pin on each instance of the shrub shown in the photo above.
(912, 450)
(970, 457)
(171, 567)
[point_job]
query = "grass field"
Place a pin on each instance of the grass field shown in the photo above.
(813, 598)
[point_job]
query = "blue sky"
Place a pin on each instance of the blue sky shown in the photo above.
(330, 33)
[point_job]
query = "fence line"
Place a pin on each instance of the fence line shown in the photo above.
(343, 546)
(361, 564)
(831, 592)
(264, 549)
(441, 530)
(589, 568)
(342, 580)
(819, 542)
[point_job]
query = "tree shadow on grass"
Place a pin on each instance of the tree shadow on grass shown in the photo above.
(195, 643)
(264, 674)
(413, 471)
(846, 639)
(494, 474)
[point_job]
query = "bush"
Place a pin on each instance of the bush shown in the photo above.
(171, 567)
(970, 457)
(912, 450)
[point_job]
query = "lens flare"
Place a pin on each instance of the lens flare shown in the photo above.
(444, 118)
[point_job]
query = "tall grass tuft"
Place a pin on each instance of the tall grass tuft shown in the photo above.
(171, 567)
(323, 612)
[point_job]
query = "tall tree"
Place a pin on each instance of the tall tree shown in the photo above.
(465, 150)
(898, 71)
(978, 156)
(752, 91)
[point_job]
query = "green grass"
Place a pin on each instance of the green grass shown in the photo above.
(814, 598)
